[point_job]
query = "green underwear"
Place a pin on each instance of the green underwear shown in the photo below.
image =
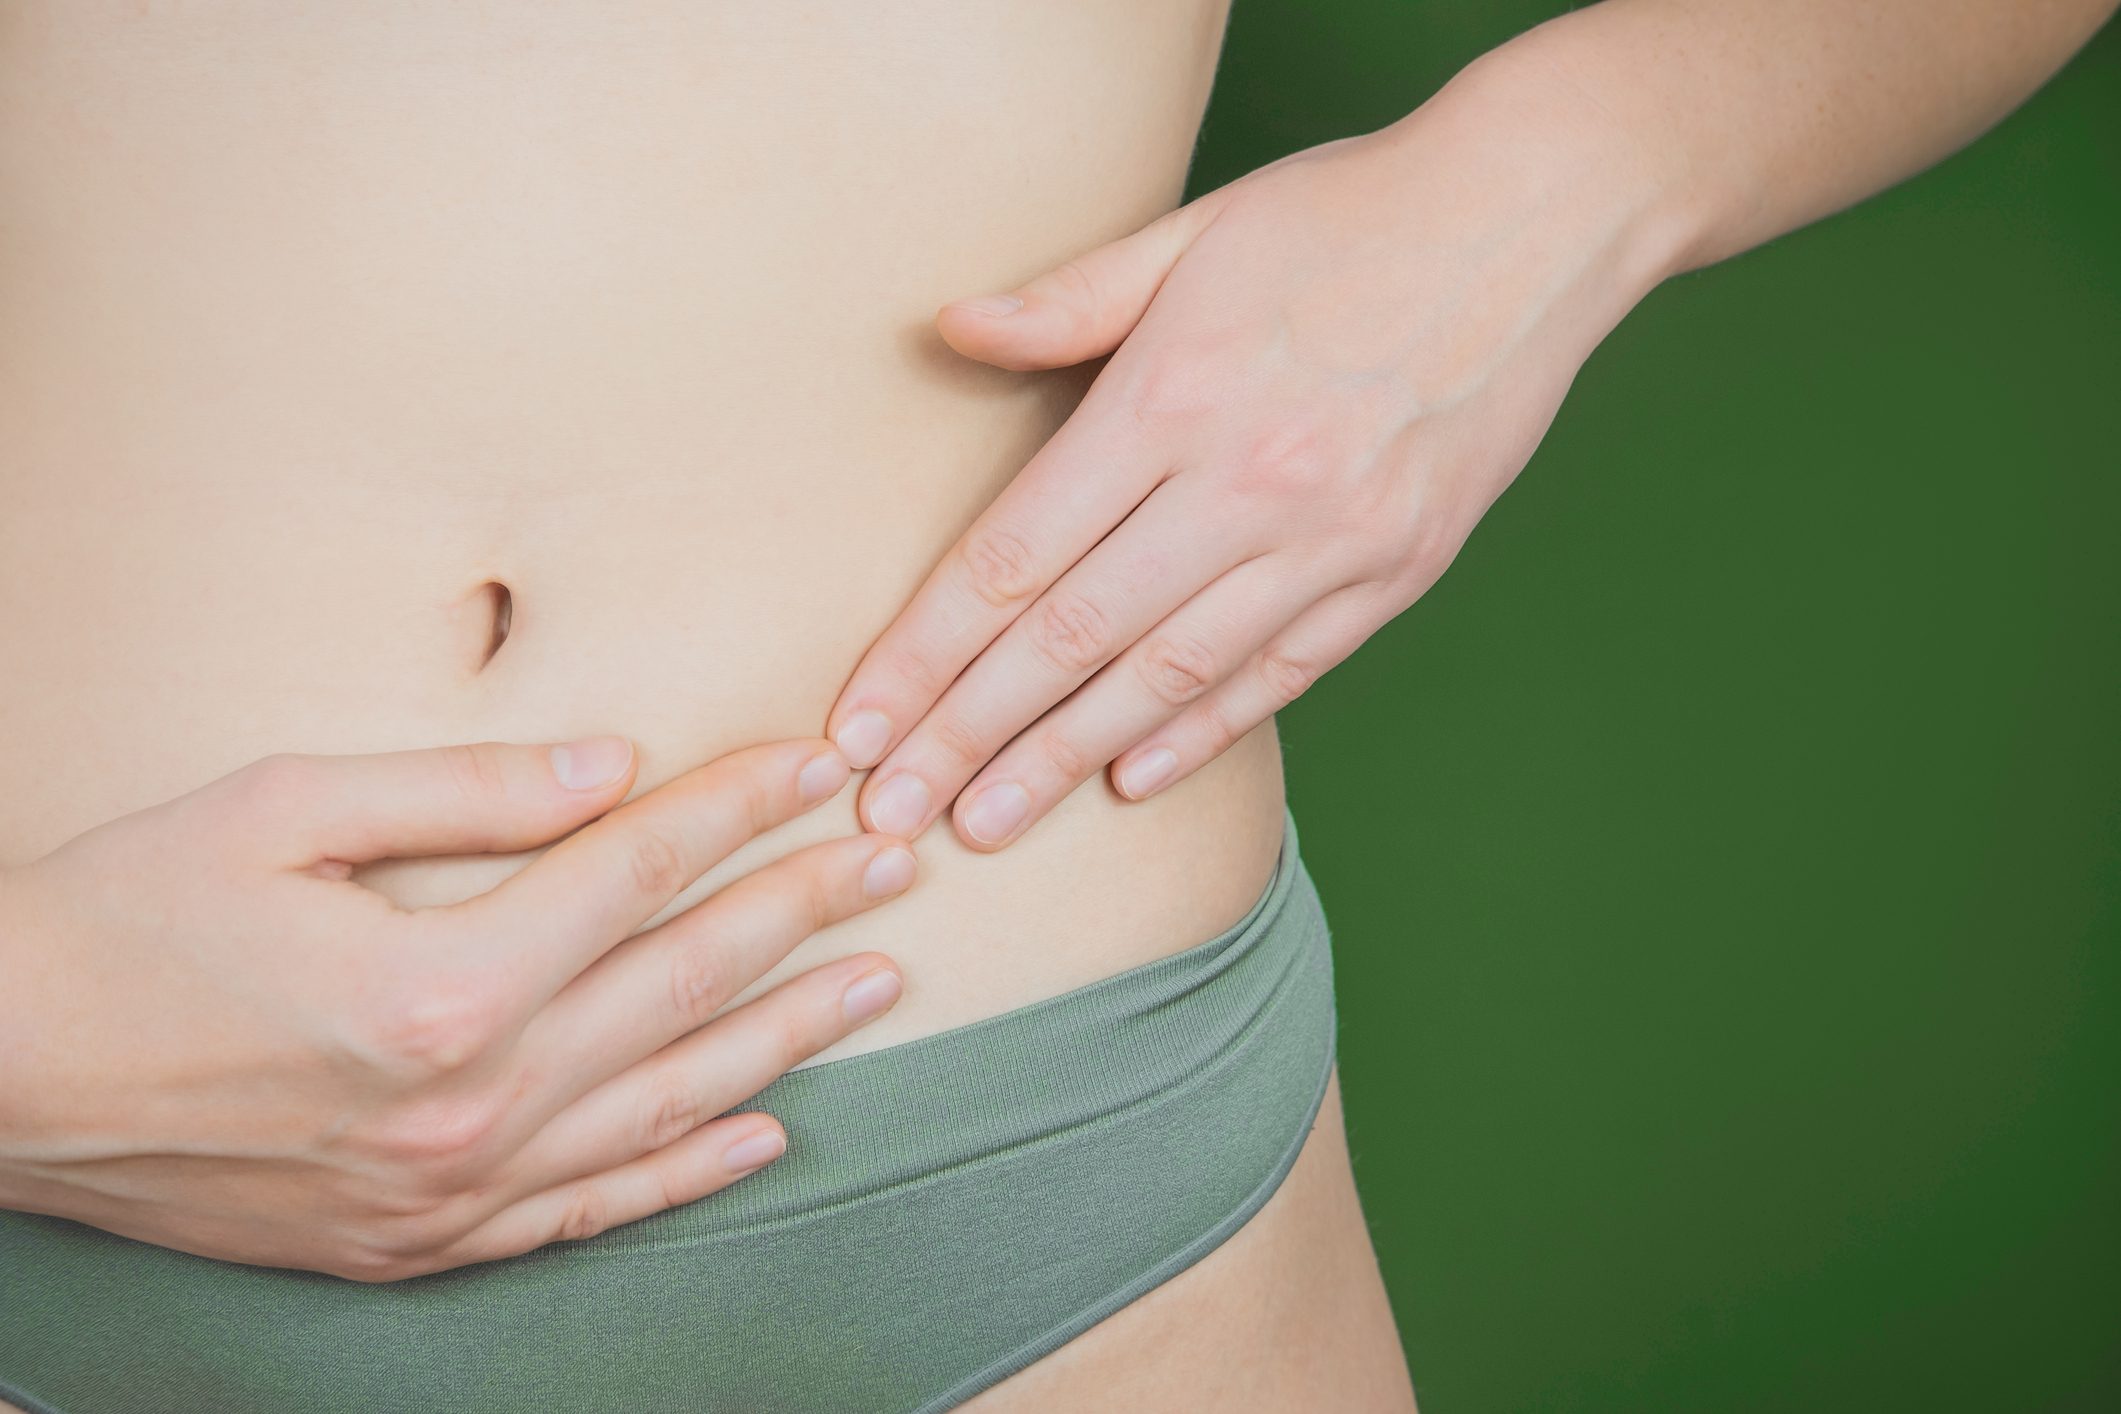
(949, 1210)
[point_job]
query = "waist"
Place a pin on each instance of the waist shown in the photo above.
(943, 1219)
(161, 639)
(331, 328)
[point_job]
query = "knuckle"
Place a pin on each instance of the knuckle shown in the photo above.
(584, 1214)
(914, 668)
(1428, 550)
(408, 1237)
(1289, 459)
(1287, 673)
(435, 1025)
(474, 772)
(434, 1144)
(655, 861)
(959, 742)
(426, 1228)
(1082, 291)
(1063, 757)
(670, 1112)
(1000, 565)
(700, 981)
(795, 1035)
(1069, 633)
(1176, 389)
(752, 792)
(1216, 734)
(767, 800)
(821, 900)
(670, 1191)
(1177, 670)
(415, 1211)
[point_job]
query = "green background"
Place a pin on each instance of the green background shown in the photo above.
(1725, 858)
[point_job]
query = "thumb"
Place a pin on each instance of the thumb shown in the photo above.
(486, 798)
(1082, 309)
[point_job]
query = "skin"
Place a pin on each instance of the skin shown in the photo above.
(390, 1092)
(1290, 1313)
(1325, 372)
(460, 308)
(322, 318)
(1322, 375)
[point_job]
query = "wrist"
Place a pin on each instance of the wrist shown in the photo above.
(1608, 182)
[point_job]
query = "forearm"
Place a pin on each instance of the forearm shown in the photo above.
(1752, 117)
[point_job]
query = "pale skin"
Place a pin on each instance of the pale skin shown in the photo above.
(1320, 378)
(388, 1092)
(1323, 374)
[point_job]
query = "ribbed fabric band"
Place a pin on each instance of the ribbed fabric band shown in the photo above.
(949, 1210)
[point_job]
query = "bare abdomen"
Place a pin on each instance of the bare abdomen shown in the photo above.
(329, 331)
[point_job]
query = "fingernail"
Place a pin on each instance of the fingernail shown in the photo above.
(863, 737)
(755, 1150)
(891, 872)
(1147, 772)
(870, 996)
(997, 812)
(996, 305)
(821, 777)
(591, 764)
(899, 806)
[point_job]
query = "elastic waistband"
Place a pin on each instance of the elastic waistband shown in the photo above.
(949, 1211)
(865, 1125)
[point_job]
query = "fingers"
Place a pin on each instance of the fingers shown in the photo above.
(705, 1161)
(1270, 680)
(675, 978)
(663, 1099)
(1175, 663)
(594, 888)
(1158, 557)
(477, 799)
(1084, 308)
(1065, 500)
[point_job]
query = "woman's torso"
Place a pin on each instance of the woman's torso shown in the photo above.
(316, 321)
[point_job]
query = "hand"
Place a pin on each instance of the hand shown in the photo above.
(1325, 373)
(216, 1041)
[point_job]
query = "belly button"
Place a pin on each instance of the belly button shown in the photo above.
(500, 607)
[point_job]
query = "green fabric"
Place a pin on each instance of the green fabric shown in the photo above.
(949, 1210)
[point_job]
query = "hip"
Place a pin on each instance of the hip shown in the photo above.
(950, 1211)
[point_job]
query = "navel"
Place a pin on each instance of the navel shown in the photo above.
(499, 606)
